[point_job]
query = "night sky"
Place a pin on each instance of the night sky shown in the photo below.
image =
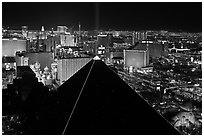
(106, 16)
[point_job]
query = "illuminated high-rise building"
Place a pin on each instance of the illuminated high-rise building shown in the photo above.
(67, 40)
(155, 49)
(25, 31)
(104, 42)
(22, 61)
(42, 29)
(51, 44)
(79, 33)
(79, 29)
(61, 29)
(11, 46)
(136, 58)
(133, 38)
(68, 67)
(139, 36)
(42, 33)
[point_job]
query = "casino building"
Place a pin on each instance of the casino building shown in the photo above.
(136, 58)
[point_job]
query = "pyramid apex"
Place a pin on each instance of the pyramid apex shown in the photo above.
(96, 58)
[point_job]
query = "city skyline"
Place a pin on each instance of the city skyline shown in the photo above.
(174, 16)
(101, 68)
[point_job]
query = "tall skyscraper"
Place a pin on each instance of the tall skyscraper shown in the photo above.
(155, 49)
(42, 29)
(139, 36)
(67, 40)
(42, 34)
(133, 38)
(62, 29)
(136, 58)
(68, 67)
(79, 32)
(25, 31)
(79, 28)
(11, 46)
(104, 43)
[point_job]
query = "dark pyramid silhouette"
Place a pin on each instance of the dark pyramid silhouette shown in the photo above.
(54, 115)
(24, 70)
(95, 101)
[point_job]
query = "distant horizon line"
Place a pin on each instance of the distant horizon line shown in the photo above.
(169, 30)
